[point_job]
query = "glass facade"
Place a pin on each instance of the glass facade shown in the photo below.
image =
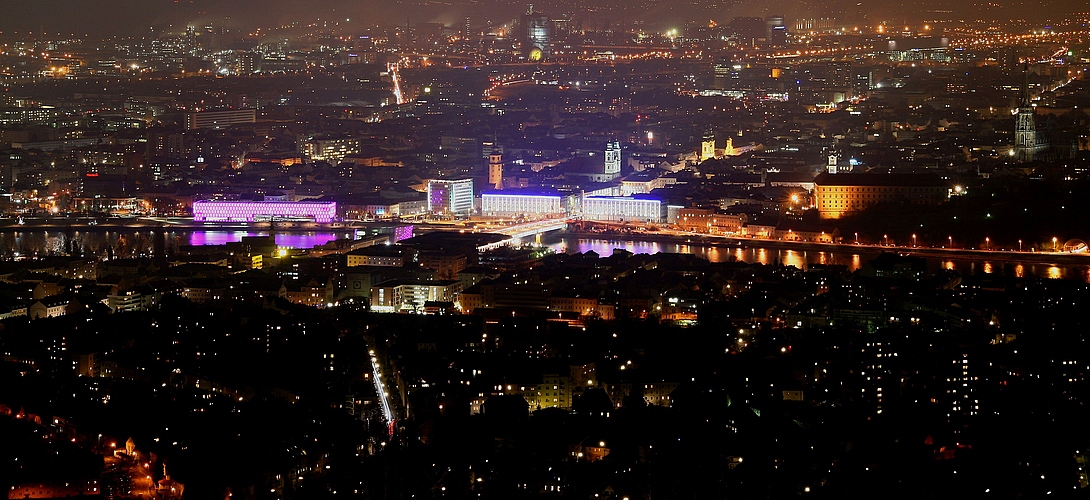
(250, 211)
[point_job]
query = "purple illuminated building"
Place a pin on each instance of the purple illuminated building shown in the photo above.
(402, 233)
(250, 211)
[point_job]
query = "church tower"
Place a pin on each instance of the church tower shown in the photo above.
(1025, 130)
(613, 159)
(707, 146)
(495, 170)
(728, 150)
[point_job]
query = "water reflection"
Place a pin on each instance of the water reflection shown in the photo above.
(803, 259)
(124, 244)
(793, 258)
(762, 256)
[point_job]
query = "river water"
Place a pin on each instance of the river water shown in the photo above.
(138, 243)
(129, 243)
(802, 259)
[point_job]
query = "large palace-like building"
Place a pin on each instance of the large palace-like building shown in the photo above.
(840, 195)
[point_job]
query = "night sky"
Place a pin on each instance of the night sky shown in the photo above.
(137, 17)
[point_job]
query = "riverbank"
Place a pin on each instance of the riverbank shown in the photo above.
(1054, 258)
(92, 224)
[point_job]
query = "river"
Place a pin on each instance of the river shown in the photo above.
(138, 243)
(802, 259)
(133, 243)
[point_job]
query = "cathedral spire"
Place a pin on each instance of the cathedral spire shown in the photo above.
(1025, 130)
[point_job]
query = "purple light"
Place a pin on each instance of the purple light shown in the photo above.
(402, 233)
(249, 211)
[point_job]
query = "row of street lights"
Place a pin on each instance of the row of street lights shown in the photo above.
(950, 240)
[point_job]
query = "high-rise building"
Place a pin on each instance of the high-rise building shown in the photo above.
(537, 35)
(465, 34)
(961, 388)
(726, 73)
(450, 197)
(777, 31)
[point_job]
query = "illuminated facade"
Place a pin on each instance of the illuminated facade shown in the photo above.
(331, 150)
(613, 160)
(495, 170)
(537, 38)
(250, 211)
(510, 203)
(703, 220)
(841, 195)
(450, 197)
(919, 49)
(623, 209)
(219, 119)
(707, 146)
(410, 295)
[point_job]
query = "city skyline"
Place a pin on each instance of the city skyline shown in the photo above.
(97, 19)
(616, 251)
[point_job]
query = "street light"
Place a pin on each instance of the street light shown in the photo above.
(987, 241)
(885, 238)
(951, 238)
(1019, 245)
(913, 240)
(856, 238)
(1054, 247)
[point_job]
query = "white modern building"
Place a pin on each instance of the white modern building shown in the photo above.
(410, 295)
(508, 203)
(623, 209)
(450, 197)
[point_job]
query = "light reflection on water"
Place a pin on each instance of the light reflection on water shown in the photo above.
(802, 259)
(798, 258)
(290, 240)
(127, 243)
